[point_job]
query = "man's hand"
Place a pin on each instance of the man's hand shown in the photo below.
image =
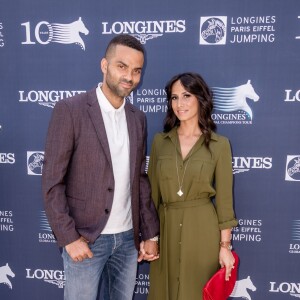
(149, 251)
(79, 250)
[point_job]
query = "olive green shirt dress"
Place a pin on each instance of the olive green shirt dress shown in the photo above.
(189, 225)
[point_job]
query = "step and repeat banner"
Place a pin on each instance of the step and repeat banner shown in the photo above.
(249, 53)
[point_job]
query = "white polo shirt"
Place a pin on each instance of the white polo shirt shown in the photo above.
(120, 219)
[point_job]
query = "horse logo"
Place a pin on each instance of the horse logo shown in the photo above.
(4, 272)
(213, 30)
(45, 226)
(293, 168)
(35, 161)
(67, 33)
(296, 230)
(233, 99)
(240, 289)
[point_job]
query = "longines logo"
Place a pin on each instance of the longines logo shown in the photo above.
(56, 277)
(2, 43)
(291, 288)
(241, 288)
(35, 160)
(46, 236)
(218, 30)
(142, 284)
(45, 98)
(230, 104)
(294, 247)
(149, 100)
(144, 30)
(45, 33)
(291, 96)
(6, 220)
(292, 170)
(248, 230)
(245, 164)
(7, 158)
(5, 272)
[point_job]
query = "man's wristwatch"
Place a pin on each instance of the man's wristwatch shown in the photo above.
(226, 245)
(154, 239)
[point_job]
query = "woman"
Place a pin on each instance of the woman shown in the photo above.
(190, 164)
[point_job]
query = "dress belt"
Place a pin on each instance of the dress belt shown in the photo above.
(186, 204)
(163, 214)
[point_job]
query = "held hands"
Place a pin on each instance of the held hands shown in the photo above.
(148, 251)
(226, 260)
(79, 250)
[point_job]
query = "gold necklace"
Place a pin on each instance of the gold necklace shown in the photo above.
(180, 192)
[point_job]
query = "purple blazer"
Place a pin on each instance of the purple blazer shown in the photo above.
(78, 182)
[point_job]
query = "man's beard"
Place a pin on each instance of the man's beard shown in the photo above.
(116, 89)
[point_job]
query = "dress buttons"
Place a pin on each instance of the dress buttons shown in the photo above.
(110, 189)
(106, 211)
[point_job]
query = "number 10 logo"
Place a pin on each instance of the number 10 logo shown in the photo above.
(37, 33)
(44, 33)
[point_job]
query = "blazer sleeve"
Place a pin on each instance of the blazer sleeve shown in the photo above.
(155, 191)
(149, 222)
(224, 185)
(58, 153)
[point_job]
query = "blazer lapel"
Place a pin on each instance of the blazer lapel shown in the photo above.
(130, 118)
(97, 119)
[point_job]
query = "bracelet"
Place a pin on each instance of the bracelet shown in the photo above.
(226, 245)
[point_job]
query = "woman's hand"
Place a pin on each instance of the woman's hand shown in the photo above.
(226, 260)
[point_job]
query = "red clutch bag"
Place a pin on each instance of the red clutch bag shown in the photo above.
(217, 288)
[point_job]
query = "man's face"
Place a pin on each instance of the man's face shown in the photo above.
(121, 71)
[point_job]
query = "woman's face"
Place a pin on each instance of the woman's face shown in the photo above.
(184, 104)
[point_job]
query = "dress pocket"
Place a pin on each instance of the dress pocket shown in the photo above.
(166, 167)
(203, 170)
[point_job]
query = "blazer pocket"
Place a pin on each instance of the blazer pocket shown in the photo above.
(76, 203)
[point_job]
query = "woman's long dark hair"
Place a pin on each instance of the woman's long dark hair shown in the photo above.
(194, 84)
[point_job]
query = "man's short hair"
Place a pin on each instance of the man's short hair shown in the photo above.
(125, 40)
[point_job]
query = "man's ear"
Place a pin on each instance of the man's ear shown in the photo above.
(103, 65)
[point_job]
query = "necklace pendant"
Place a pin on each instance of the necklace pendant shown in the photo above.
(180, 193)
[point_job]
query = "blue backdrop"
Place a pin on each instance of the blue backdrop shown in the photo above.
(247, 50)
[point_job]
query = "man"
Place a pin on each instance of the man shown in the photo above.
(96, 193)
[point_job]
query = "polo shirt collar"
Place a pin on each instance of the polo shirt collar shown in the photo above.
(105, 105)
